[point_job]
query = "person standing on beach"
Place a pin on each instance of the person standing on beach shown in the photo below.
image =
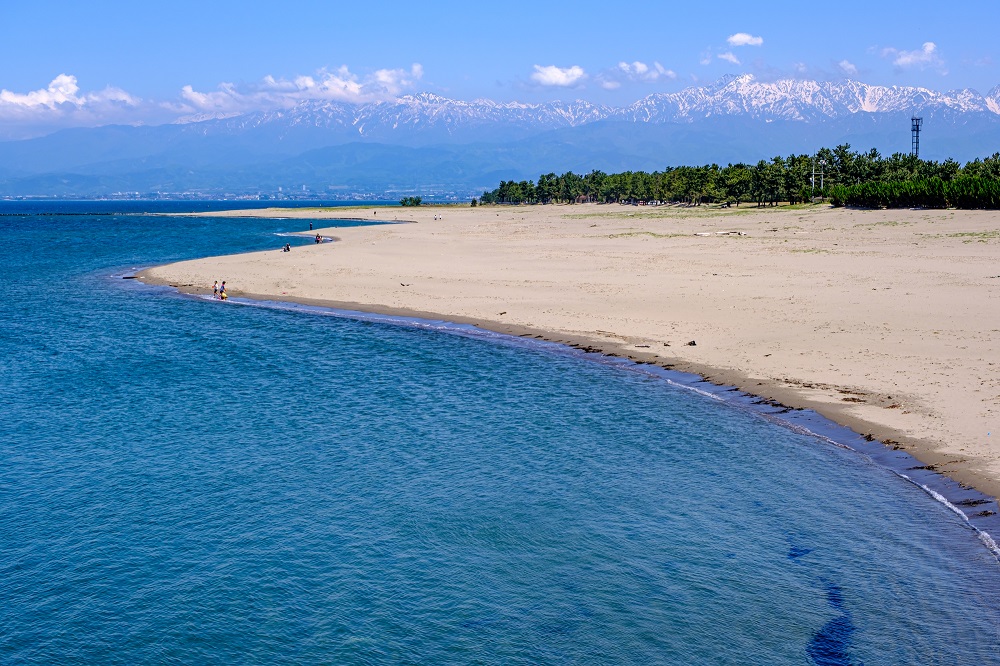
(222, 291)
(215, 289)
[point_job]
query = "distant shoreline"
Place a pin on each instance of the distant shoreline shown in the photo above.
(314, 213)
(800, 315)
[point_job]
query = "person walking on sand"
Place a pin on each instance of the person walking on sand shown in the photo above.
(215, 289)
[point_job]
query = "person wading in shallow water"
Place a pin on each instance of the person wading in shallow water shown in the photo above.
(222, 291)
(215, 289)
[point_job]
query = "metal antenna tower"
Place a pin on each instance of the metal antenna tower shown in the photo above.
(915, 124)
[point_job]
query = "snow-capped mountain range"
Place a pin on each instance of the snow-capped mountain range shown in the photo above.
(419, 141)
(745, 96)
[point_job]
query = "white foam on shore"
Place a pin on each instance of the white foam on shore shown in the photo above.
(989, 543)
(938, 496)
(707, 394)
(984, 537)
(802, 430)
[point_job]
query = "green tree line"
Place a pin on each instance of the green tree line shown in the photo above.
(846, 177)
(963, 191)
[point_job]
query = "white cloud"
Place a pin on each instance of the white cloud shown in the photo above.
(340, 85)
(744, 39)
(926, 56)
(848, 67)
(738, 39)
(631, 72)
(635, 68)
(640, 71)
(63, 104)
(564, 77)
(667, 73)
(62, 90)
(62, 93)
(394, 81)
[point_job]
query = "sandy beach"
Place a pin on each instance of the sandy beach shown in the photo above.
(885, 321)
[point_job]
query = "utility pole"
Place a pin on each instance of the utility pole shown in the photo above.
(812, 181)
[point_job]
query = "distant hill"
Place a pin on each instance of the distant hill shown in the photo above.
(429, 142)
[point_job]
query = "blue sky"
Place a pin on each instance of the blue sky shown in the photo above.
(72, 63)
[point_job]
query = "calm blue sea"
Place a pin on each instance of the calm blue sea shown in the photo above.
(186, 481)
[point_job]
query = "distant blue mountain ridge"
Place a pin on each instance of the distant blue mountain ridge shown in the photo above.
(429, 143)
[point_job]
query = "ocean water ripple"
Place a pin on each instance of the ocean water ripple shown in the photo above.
(186, 481)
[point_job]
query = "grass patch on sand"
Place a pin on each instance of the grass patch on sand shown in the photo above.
(806, 206)
(884, 223)
(653, 234)
(669, 213)
(975, 236)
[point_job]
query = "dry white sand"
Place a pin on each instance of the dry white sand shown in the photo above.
(885, 321)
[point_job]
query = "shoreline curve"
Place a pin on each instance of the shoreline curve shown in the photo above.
(792, 394)
(954, 495)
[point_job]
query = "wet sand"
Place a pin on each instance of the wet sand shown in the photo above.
(885, 321)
